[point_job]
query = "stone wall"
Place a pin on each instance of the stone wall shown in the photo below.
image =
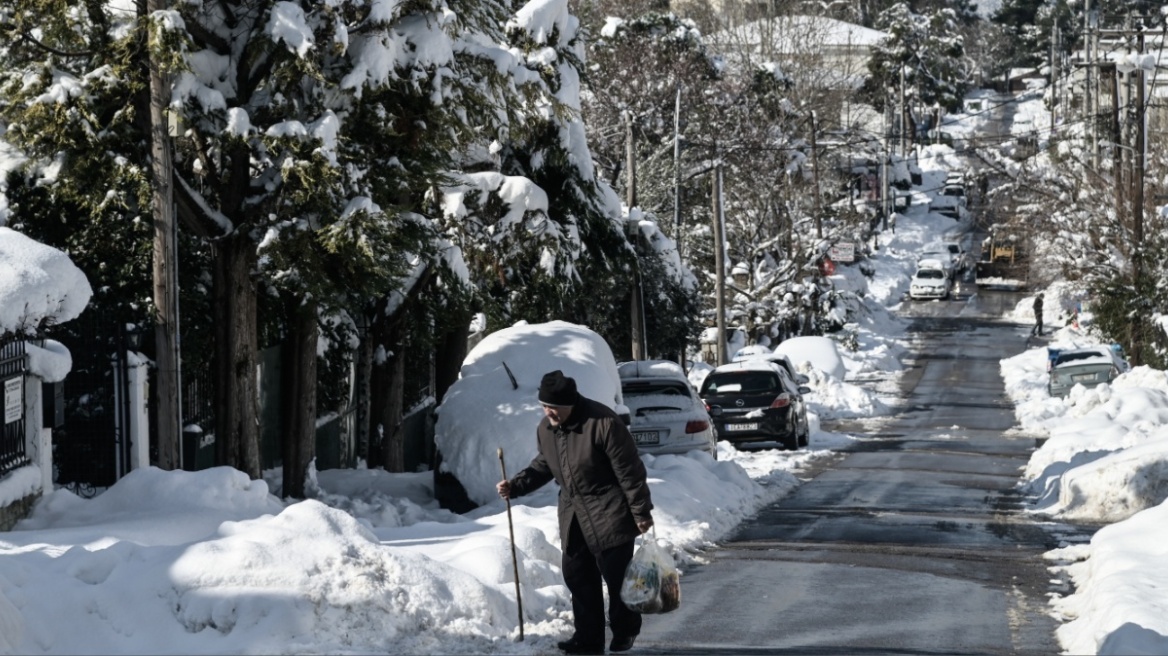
(17, 510)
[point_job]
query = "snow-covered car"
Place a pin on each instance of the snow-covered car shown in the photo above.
(665, 413)
(814, 351)
(930, 281)
(950, 202)
(495, 403)
(1088, 367)
(759, 352)
(936, 255)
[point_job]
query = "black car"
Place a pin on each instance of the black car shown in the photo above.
(756, 401)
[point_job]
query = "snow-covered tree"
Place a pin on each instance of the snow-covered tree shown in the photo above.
(308, 137)
(928, 49)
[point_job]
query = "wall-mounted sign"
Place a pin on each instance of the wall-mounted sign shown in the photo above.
(843, 252)
(13, 399)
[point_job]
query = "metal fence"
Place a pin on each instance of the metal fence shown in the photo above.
(12, 372)
(90, 447)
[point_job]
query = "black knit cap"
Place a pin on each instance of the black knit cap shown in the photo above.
(558, 389)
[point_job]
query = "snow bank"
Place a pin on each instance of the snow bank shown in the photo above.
(1118, 606)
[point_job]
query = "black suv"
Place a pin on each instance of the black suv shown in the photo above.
(756, 401)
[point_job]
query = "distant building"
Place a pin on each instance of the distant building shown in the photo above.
(826, 59)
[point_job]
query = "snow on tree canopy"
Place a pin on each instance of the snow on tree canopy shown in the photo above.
(38, 284)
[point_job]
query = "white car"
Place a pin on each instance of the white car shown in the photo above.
(937, 255)
(665, 413)
(930, 281)
(958, 257)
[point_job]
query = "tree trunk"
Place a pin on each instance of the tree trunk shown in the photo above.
(387, 379)
(364, 394)
(168, 428)
(299, 391)
(236, 351)
(392, 443)
(452, 348)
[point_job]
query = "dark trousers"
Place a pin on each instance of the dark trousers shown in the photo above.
(1037, 330)
(584, 572)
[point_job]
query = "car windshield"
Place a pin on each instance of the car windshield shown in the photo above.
(932, 274)
(744, 382)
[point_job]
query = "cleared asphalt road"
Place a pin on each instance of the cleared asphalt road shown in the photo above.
(913, 542)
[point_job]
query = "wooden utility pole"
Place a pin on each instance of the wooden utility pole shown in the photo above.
(1117, 140)
(1090, 95)
(1140, 154)
(677, 168)
(815, 176)
(719, 262)
(637, 302)
(166, 356)
(1053, 66)
(903, 116)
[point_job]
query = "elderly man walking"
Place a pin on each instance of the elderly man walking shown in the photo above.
(604, 505)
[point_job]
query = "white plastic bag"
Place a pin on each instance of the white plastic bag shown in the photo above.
(652, 583)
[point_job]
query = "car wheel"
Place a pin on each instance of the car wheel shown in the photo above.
(805, 438)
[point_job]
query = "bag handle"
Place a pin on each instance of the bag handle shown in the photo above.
(651, 533)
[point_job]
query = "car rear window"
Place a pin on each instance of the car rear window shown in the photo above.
(1077, 355)
(638, 388)
(930, 273)
(740, 382)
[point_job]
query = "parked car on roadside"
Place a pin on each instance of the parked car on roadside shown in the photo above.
(1088, 367)
(930, 281)
(757, 401)
(665, 413)
(950, 201)
(756, 352)
(959, 258)
(937, 256)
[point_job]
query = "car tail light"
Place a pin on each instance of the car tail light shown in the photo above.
(696, 426)
(781, 401)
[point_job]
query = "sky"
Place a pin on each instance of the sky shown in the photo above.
(212, 562)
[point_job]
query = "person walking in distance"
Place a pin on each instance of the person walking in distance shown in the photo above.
(1037, 330)
(604, 505)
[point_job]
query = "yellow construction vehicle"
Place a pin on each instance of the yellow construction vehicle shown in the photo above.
(1004, 260)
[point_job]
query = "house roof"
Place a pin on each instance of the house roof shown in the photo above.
(793, 33)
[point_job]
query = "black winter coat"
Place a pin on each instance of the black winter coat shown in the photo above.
(603, 482)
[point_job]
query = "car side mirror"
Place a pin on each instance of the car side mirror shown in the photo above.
(715, 411)
(803, 389)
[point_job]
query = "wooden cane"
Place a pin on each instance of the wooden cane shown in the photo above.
(514, 558)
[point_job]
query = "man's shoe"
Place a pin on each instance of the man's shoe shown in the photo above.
(574, 646)
(620, 643)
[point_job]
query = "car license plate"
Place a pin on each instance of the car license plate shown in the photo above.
(741, 427)
(1083, 377)
(646, 437)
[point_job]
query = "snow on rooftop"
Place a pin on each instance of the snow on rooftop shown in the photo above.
(794, 33)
